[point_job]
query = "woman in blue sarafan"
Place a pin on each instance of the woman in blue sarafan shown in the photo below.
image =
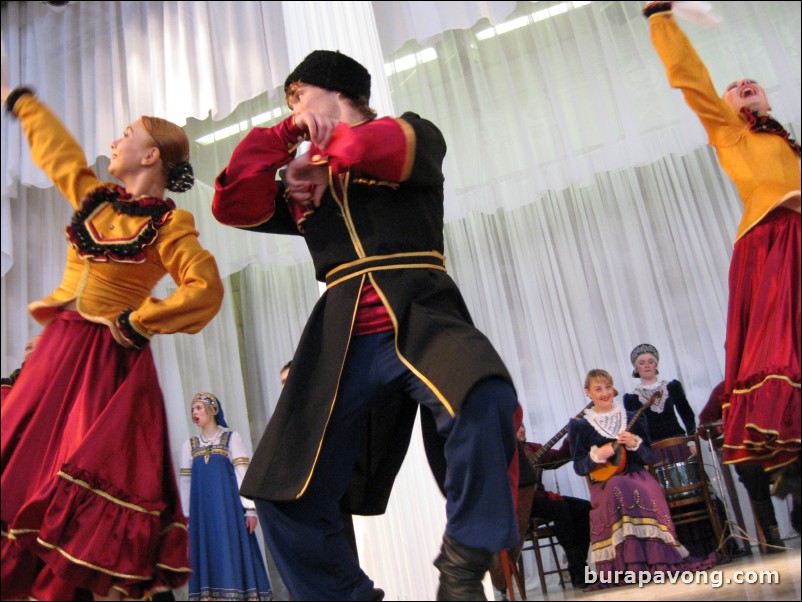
(224, 553)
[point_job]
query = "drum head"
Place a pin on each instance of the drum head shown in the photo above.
(679, 474)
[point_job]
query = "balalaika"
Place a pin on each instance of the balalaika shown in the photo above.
(535, 457)
(618, 461)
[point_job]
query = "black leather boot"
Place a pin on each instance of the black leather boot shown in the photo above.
(461, 571)
(576, 566)
(764, 511)
(775, 544)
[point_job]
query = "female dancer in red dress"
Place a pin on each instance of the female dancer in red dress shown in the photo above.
(89, 494)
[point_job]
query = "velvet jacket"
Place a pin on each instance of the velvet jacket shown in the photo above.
(583, 436)
(663, 425)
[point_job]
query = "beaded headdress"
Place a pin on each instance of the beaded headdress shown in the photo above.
(640, 350)
(213, 406)
(181, 177)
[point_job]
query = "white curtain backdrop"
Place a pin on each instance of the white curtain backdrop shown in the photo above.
(101, 65)
(546, 101)
(585, 211)
(426, 22)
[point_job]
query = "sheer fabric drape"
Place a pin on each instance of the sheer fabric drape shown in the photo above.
(101, 65)
(560, 98)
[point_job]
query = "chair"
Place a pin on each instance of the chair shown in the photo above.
(540, 534)
(684, 482)
(511, 571)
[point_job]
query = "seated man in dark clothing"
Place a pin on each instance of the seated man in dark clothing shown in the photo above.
(570, 514)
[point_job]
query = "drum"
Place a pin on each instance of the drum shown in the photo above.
(679, 474)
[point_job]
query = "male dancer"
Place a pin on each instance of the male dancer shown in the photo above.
(391, 332)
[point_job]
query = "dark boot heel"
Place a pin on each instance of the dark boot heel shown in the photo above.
(461, 571)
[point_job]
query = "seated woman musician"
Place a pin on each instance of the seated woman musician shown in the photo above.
(661, 423)
(630, 523)
(661, 419)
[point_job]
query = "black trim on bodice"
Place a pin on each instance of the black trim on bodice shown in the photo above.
(133, 251)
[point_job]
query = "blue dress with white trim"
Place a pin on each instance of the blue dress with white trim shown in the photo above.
(225, 559)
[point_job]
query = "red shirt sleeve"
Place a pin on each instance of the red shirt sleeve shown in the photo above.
(407, 149)
(712, 410)
(563, 454)
(245, 191)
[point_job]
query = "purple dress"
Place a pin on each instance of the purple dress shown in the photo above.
(630, 523)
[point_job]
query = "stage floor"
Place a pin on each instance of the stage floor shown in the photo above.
(783, 569)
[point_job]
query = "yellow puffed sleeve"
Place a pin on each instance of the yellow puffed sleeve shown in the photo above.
(55, 151)
(194, 270)
(687, 72)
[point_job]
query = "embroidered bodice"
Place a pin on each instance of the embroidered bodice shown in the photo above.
(227, 445)
(119, 246)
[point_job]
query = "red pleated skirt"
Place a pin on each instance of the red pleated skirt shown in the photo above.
(762, 378)
(89, 497)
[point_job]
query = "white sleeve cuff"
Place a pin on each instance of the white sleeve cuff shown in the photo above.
(638, 441)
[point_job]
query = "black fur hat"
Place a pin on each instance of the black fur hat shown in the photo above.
(332, 71)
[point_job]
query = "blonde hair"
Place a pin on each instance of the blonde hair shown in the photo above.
(598, 373)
